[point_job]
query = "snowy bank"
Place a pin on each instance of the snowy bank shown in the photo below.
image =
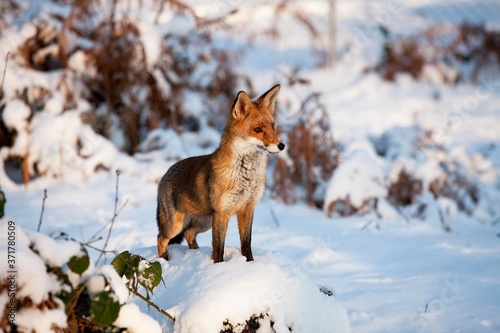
(38, 287)
(272, 293)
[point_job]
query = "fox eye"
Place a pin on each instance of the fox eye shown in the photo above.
(257, 130)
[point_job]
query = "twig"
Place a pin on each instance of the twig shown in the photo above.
(426, 306)
(402, 214)
(366, 225)
(375, 207)
(275, 219)
(446, 226)
(115, 215)
(4, 74)
(43, 208)
(99, 250)
(92, 239)
(160, 310)
(74, 300)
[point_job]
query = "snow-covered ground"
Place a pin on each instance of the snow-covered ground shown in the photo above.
(392, 273)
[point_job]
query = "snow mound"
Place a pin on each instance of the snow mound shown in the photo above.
(273, 291)
(358, 179)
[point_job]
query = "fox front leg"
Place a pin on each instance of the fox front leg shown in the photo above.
(219, 229)
(245, 220)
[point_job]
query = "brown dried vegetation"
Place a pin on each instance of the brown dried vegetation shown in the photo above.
(442, 46)
(311, 157)
(120, 81)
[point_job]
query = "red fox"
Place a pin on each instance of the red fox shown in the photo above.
(201, 192)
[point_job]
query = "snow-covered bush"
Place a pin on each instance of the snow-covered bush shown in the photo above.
(85, 77)
(451, 175)
(58, 288)
(355, 184)
(405, 167)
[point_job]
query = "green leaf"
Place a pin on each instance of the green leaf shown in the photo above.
(149, 274)
(104, 308)
(138, 270)
(126, 264)
(3, 200)
(120, 263)
(79, 264)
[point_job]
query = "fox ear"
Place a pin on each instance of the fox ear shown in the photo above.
(268, 99)
(241, 105)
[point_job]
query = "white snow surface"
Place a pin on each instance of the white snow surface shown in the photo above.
(202, 295)
(359, 178)
(383, 271)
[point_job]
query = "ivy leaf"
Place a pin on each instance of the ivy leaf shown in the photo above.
(149, 274)
(79, 264)
(104, 308)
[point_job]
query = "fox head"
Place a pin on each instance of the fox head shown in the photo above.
(251, 123)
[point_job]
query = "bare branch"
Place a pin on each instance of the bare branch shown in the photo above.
(43, 208)
(4, 73)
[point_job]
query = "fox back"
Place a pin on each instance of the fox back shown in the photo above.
(201, 192)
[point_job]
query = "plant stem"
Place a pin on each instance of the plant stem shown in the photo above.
(4, 73)
(160, 310)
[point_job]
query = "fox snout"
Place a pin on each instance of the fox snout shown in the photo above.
(274, 149)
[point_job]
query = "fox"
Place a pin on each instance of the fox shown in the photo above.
(203, 192)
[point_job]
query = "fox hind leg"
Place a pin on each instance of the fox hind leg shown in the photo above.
(169, 226)
(196, 226)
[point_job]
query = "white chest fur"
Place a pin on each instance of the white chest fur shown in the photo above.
(247, 172)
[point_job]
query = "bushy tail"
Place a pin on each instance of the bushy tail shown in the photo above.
(177, 239)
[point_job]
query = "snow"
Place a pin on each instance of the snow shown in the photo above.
(359, 178)
(382, 276)
(15, 115)
(201, 295)
(150, 38)
(136, 321)
(55, 253)
(43, 321)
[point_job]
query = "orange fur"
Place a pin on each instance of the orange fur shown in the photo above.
(205, 191)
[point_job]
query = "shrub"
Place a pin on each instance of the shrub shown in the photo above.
(445, 48)
(404, 190)
(312, 154)
(58, 281)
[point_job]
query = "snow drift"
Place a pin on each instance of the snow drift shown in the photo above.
(272, 293)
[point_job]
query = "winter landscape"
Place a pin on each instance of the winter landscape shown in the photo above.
(381, 215)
